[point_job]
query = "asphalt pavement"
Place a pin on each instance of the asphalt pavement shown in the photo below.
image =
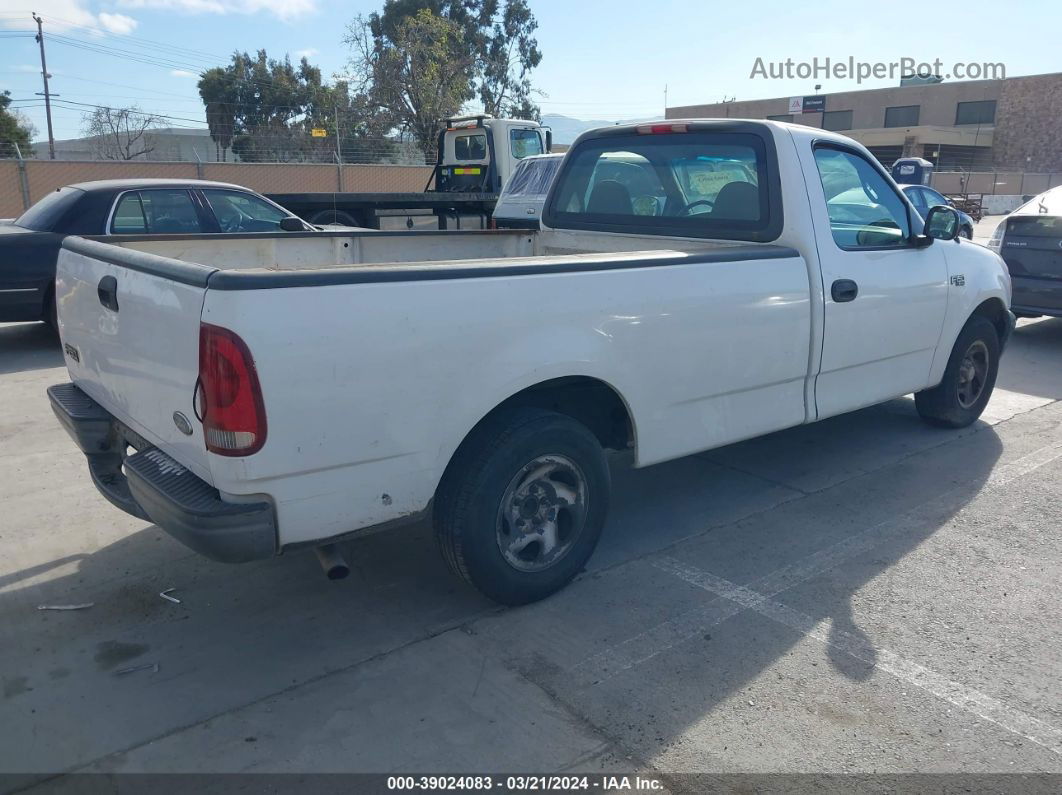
(864, 595)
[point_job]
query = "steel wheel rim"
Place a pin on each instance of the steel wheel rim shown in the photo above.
(973, 374)
(542, 513)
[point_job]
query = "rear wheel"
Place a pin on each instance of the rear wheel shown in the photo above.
(334, 217)
(521, 507)
(968, 379)
(966, 232)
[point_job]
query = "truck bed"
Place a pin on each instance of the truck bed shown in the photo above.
(468, 254)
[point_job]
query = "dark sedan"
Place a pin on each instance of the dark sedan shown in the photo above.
(1030, 242)
(923, 198)
(30, 244)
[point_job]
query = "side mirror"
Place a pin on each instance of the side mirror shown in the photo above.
(942, 223)
(292, 224)
(549, 141)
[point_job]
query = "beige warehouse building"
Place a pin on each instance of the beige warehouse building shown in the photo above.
(1011, 123)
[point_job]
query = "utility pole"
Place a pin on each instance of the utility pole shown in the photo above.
(47, 94)
(339, 146)
(665, 100)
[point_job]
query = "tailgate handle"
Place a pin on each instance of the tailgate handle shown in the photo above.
(107, 290)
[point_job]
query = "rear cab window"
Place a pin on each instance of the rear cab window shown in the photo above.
(49, 212)
(688, 184)
(470, 147)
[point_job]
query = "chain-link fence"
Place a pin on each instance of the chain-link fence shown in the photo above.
(995, 183)
(176, 145)
(24, 181)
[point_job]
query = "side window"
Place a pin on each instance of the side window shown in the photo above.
(918, 199)
(523, 143)
(243, 212)
(470, 147)
(169, 212)
(933, 198)
(129, 216)
(864, 210)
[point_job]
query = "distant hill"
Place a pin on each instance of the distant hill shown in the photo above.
(566, 129)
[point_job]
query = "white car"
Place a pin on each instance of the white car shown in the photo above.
(286, 392)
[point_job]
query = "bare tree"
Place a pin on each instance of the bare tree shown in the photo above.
(120, 133)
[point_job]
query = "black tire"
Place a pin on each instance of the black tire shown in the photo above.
(943, 405)
(966, 232)
(468, 514)
(340, 217)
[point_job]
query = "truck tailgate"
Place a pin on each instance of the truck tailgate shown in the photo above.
(131, 341)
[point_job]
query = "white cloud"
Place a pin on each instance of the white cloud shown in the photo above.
(117, 23)
(282, 9)
(63, 15)
(182, 73)
(309, 52)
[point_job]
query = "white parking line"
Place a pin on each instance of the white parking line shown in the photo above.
(1024, 465)
(955, 693)
(650, 643)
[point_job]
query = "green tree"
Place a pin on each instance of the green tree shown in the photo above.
(510, 52)
(497, 48)
(264, 109)
(419, 73)
(15, 129)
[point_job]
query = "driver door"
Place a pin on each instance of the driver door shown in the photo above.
(884, 298)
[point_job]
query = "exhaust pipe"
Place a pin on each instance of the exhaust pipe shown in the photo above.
(332, 561)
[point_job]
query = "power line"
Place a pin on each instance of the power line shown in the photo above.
(98, 31)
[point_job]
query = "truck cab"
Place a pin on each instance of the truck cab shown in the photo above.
(477, 154)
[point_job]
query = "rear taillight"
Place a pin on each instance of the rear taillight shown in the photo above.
(996, 241)
(229, 395)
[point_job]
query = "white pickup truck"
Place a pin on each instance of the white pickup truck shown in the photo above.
(694, 283)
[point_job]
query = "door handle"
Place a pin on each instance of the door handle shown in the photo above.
(107, 290)
(844, 290)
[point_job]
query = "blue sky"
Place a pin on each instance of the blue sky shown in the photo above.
(602, 60)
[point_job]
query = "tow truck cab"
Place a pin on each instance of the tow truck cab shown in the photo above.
(479, 153)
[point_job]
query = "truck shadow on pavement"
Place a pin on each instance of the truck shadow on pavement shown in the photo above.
(28, 346)
(629, 644)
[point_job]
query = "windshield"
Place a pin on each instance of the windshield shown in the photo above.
(49, 211)
(532, 177)
(698, 184)
(524, 143)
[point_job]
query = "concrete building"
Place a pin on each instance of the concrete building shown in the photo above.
(170, 144)
(1011, 123)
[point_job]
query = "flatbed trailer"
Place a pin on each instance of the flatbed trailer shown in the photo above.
(371, 209)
